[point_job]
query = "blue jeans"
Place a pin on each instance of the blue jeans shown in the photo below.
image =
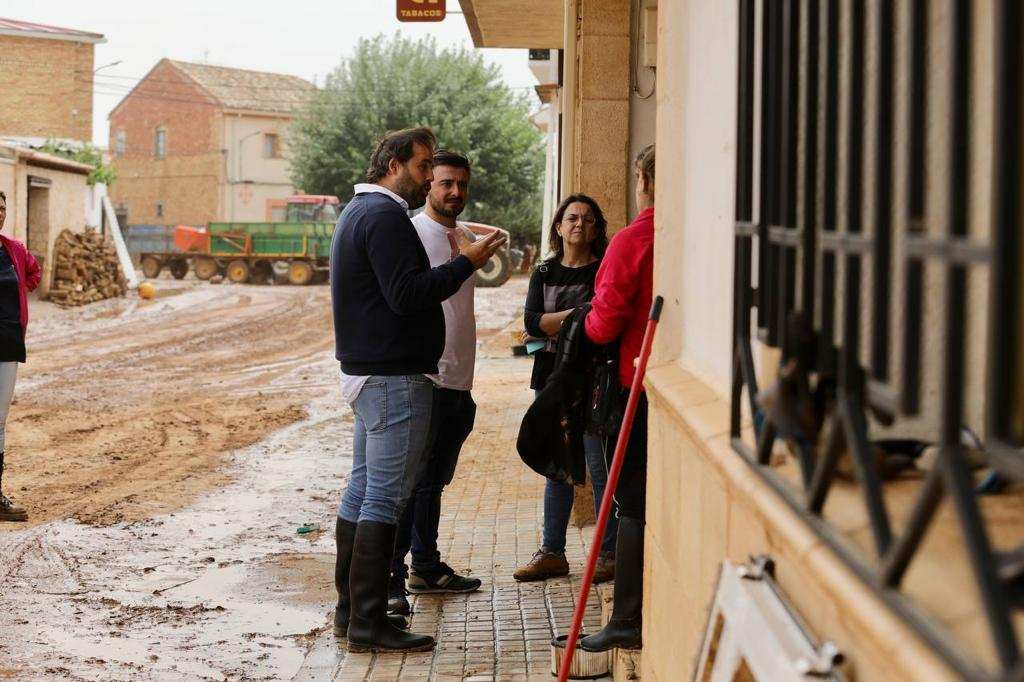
(392, 421)
(558, 499)
(452, 422)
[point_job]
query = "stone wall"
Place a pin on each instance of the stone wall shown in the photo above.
(598, 64)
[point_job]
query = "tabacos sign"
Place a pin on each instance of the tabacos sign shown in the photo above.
(421, 10)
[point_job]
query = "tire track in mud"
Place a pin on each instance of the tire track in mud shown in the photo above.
(127, 413)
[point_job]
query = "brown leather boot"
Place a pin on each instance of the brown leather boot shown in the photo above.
(8, 510)
(544, 564)
(605, 568)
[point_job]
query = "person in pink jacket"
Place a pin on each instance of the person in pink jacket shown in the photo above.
(19, 274)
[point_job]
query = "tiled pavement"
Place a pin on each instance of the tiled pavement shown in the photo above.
(491, 522)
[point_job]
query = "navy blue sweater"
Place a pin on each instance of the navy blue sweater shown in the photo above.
(386, 298)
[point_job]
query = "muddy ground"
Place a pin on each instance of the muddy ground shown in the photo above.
(167, 452)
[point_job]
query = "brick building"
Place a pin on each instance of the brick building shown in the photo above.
(46, 76)
(194, 143)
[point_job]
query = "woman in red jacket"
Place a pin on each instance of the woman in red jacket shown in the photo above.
(619, 310)
(19, 274)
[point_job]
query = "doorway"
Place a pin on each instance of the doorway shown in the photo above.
(37, 231)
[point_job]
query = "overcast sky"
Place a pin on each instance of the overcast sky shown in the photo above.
(306, 38)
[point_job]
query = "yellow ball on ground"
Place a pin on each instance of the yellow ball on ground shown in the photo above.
(147, 290)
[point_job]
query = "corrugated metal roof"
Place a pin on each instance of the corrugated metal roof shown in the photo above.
(253, 90)
(29, 29)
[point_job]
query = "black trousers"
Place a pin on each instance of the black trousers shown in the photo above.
(631, 491)
(452, 419)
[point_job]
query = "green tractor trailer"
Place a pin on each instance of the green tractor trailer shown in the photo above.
(297, 250)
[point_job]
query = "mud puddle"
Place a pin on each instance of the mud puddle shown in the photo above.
(221, 586)
(225, 589)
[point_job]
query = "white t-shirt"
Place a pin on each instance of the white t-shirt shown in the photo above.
(455, 368)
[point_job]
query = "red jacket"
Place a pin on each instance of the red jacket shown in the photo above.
(27, 268)
(623, 292)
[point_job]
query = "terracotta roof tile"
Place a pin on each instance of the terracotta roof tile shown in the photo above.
(244, 89)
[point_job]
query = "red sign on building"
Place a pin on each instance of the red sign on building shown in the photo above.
(421, 10)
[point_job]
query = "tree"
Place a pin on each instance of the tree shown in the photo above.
(85, 154)
(393, 83)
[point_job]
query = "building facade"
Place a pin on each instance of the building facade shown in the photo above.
(46, 76)
(46, 194)
(838, 242)
(194, 143)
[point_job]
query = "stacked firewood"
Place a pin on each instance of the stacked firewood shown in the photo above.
(86, 269)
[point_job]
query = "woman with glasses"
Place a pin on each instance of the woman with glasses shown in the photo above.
(560, 284)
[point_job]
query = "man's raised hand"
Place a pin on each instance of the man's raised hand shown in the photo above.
(480, 251)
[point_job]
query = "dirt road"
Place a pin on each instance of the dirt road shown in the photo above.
(167, 451)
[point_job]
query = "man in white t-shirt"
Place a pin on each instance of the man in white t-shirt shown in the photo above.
(454, 410)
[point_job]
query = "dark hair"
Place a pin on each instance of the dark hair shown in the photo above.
(600, 243)
(399, 145)
(645, 163)
(446, 157)
(3, 195)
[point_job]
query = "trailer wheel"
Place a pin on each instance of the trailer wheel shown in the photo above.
(300, 272)
(151, 267)
(179, 268)
(205, 268)
(496, 271)
(238, 271)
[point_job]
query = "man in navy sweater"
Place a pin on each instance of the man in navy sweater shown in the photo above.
(389, 333)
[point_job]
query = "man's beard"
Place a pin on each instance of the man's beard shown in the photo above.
(442, 209)
(414, 194)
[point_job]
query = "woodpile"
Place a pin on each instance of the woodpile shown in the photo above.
(86, 269)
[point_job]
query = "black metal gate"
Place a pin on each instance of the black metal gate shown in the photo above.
(832, 267)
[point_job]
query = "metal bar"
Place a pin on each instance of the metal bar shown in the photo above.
(913, 286)
(789, 79)
(845, 243)
(765, 443)
(768, 176)
(958, 250)
(825, 301)
(784, 236)
(990, 587)
(750, 379)
(1004, 282)
(939, 640)
(897, 560)
(849, 367)
(746, 228)
(821, 481)
(882, 265)
(809, 121)
(852, 414)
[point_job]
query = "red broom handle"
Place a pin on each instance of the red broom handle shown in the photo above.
(609, 490)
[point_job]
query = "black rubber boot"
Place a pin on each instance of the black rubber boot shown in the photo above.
(623, 628)
(344, 536)
(8, 510)
(369, 627)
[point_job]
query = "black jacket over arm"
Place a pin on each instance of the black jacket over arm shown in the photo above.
(386, 298)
